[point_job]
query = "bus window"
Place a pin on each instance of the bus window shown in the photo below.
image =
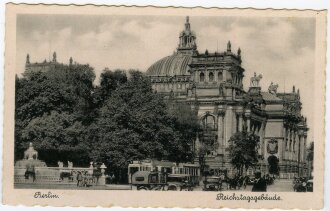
(132, 170)
(139, 179)
(153, 178)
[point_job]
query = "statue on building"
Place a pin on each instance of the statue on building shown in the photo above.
(31, 153)
(27, 59)
(272, 146)
(254, 82)
(272, 88)
(228, 46)
(221, 90)
(54, 56)
(239, 52)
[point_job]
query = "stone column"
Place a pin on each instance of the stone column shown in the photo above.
(248, 124)
(305, 142)
(197, 144)
(283, 144)
(221, 143)
(224, 76)
(262, 137)
(240, 122)
(206, 75)
(228, 124)
(233, 124)
(302, 148)
(297, 147)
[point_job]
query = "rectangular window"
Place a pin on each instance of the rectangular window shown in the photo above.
(220, 76)
(139, 179)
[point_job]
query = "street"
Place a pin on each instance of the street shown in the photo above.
(278, 186)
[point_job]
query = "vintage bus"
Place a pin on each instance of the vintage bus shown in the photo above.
(165, 167)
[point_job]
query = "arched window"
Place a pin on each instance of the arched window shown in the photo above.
(290, 146)
(201, 77)
(209, 122)
(220, 76)
(211, 76)
(286, 144)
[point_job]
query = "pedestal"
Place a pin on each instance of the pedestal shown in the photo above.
(101, 180)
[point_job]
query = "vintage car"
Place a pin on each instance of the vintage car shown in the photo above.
(212, 183)
(302, 185)
(251, 180)
(146, 180)
(309, 186)
(179, 182)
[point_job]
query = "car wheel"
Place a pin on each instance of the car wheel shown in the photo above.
(172, 188)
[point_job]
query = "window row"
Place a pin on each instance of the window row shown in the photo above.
(170, 85)
(211, 77)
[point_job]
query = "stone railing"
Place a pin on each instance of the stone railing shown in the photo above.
(52, 175)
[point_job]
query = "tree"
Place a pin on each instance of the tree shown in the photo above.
(203, 149)
(243, 150)
(310, 157)
(187, 125)
(109, 82)
(135, 123)
(52, 109)
(67, 118)
(273, 164)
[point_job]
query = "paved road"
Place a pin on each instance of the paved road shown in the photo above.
(71, 187)
(278, 186)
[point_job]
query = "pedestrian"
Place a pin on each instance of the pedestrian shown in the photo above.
(79, 179)
(260, 184)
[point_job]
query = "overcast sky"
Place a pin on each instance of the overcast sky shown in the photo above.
(281, 49)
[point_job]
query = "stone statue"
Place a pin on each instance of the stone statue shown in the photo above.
(221, 90)
(228, 46)
(30, 153)
(27, 59)
(254, 82)
(30, 159)
(272, 88)
(272, 146)
(54, 56)
(70, 165)
(60, 164)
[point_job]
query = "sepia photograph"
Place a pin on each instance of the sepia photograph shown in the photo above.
(165, 101)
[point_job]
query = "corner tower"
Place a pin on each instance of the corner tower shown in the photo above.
(187, 40)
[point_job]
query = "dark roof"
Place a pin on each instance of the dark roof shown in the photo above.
(177, 64)
(270, 97)
(163, 163)
(288, 96)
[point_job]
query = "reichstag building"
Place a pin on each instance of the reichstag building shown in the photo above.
(212, 84)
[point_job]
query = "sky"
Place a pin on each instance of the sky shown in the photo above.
(281, 49)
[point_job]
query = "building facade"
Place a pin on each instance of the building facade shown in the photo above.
(45, 65)
(212, 84)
